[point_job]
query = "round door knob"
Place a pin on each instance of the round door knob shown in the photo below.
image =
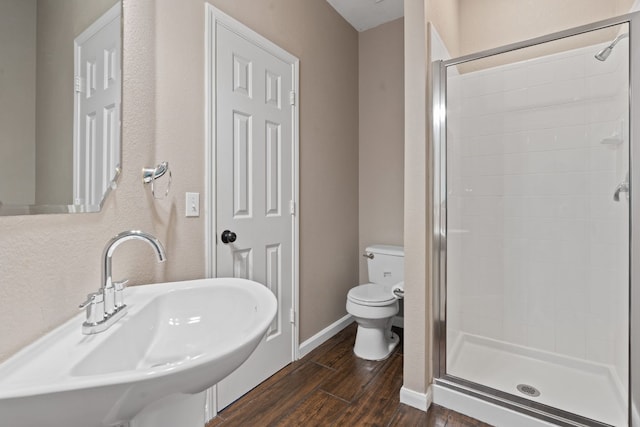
(228, 237)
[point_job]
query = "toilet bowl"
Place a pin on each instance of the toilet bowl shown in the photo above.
(373, 305)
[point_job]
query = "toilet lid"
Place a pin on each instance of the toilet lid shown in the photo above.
(371, 294)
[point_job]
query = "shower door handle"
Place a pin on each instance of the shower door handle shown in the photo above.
(623, 187)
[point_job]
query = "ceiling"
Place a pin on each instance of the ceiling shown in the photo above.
(365, 14)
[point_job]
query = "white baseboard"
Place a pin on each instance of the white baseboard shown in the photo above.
(415, 399)
(322, 336)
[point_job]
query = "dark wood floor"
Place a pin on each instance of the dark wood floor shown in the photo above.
(332, 387)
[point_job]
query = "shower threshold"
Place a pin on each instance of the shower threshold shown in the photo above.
(573, 385)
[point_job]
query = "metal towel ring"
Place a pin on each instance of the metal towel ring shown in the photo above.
(149, 175)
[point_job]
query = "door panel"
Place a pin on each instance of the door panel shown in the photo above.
(254, 179)
(242, 182)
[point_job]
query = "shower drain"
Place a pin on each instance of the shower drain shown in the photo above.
(529, 390)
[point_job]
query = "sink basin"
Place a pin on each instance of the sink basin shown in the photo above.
(177, 338)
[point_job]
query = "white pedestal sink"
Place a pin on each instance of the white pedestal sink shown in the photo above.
(178, 338)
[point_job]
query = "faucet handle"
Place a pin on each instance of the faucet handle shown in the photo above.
(95, 307)
(92, 299)
(119, 286)
(119, 291)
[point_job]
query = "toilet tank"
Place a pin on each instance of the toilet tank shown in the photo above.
(386, 267)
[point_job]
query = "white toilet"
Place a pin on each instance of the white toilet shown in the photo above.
(374, 304)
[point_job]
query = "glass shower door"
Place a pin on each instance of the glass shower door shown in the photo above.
(537, 225)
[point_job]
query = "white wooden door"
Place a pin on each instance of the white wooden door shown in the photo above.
(255, 190)
(97, 108)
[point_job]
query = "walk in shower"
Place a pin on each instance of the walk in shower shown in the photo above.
(533, 293)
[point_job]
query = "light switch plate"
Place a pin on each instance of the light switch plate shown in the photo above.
(192, 202)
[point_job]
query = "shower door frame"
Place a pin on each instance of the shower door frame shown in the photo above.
(439, 242)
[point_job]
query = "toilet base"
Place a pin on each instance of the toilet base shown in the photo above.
(375, 343)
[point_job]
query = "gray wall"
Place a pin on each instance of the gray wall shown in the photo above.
(17, 101)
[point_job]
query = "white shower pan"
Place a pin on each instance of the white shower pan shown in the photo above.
(570, 384)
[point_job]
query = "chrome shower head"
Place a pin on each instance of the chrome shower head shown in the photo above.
(604, 53)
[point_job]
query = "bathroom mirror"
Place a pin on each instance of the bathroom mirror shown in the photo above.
(60, 104)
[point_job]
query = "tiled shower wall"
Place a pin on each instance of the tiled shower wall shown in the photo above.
(537, 248)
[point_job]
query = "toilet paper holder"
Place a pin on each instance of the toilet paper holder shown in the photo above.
(398, 290)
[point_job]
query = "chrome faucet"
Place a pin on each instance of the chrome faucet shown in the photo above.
(106, 307)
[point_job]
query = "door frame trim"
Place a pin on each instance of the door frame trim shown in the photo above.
(213, 18)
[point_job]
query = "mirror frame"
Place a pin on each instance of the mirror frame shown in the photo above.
(35, 209)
